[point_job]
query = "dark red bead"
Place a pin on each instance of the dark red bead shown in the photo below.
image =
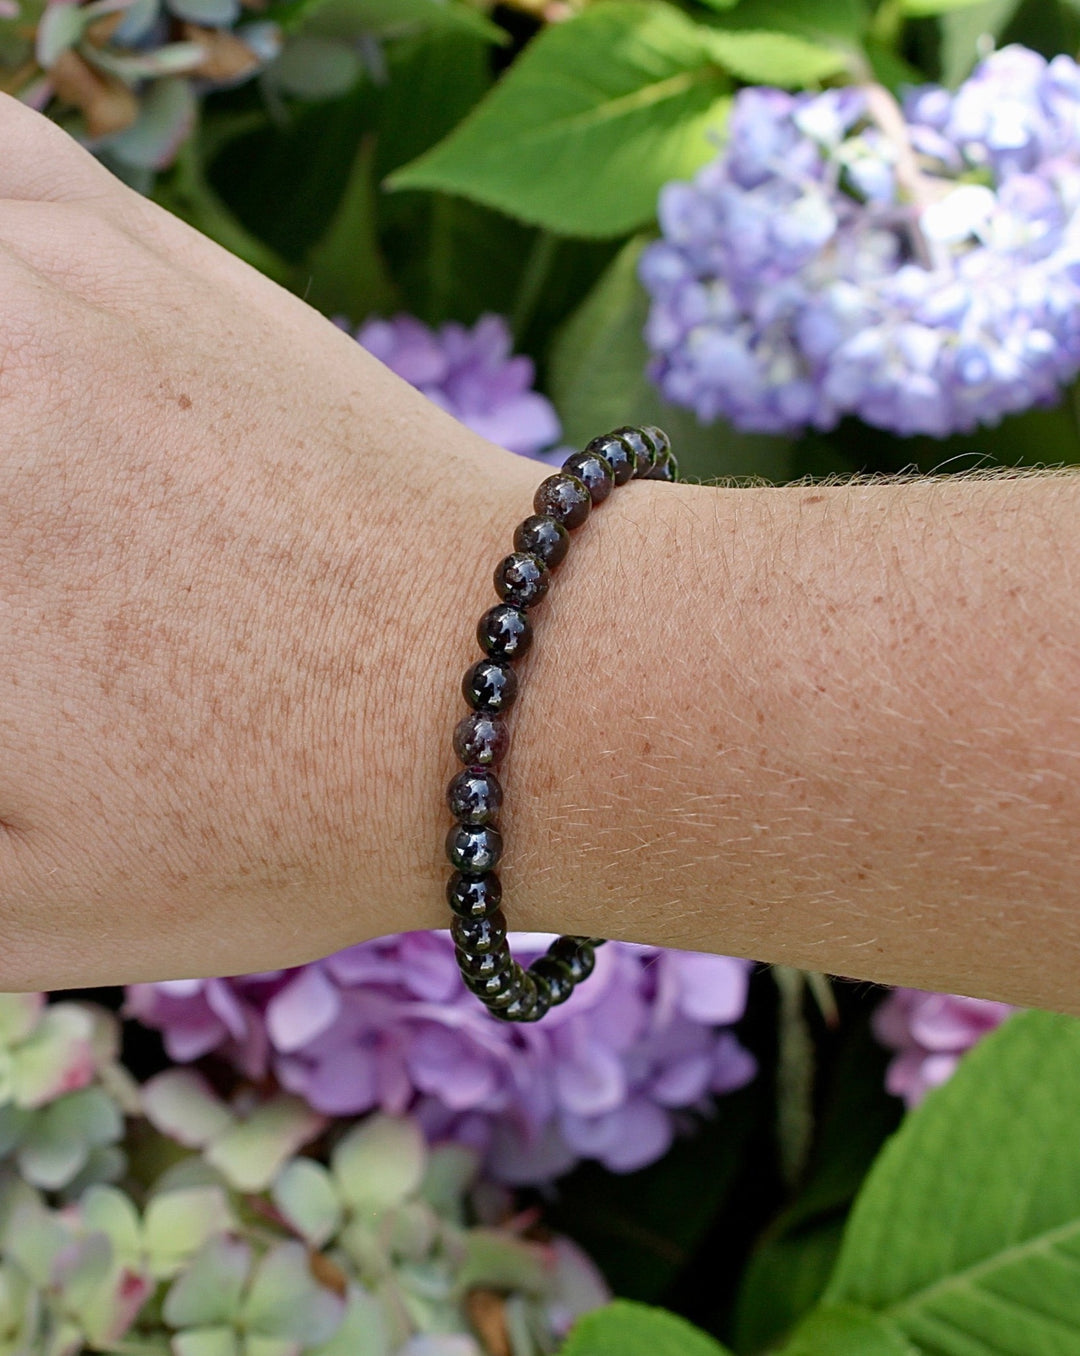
(544, 537)
(564, 498)
(617, 454)
(474, 797)
(481, 739)
(473, 896)
(494, 988)
(484, 964)
(473, 849)
(576, 954)
(479, 936)
(556, 975)
(594, 471)
(523, 1004)
(521, 579)
(489, 686)
(643, 449)
(504, 632)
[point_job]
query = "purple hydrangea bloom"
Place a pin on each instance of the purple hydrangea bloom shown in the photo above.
(609, 1075)
(838, 258)
(930, 1032)
(470, 373)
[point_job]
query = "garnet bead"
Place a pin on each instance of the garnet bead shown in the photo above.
(504, 632)
(485, 964)
(594, 471)
(642, 447)
(617, 454)
(523, 1004)
(492, 988)
(556, 976)
(565, 498)
(521, 579)
(481, 739)
(479, 936)
(489, 686)
(544, 537)
(473, 896)
(474, 796)
(577, 956)
(473, 849)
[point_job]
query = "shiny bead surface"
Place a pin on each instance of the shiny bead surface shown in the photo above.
(482, 965)
(473, 896)
(489, 686)
(658, 438)
(556, 976)
(642, 448)
(504, 632)
(473, 849)
(491, 988)
(617, 454)
(481, 739)
(594, 471)
(513, 991)
(564, 498)
(544, 537)
(479, 936)
(543, 1000)
(663, 470)
(474, 797)
(521, 579)
(524, 1004)
(578, 957)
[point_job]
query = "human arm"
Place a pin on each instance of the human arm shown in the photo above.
(234, 629)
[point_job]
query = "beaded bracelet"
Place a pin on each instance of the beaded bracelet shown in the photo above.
(474, 844)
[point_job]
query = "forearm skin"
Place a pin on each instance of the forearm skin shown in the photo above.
(829, 726)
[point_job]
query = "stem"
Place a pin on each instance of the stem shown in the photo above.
(794, 1075)
(921, 189)
(533, 277)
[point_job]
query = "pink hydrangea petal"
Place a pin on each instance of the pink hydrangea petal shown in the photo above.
(592, 1081)
(303, 1010)
(345, 1086)
(683, 1082)
(439, 1064)
(712, 989)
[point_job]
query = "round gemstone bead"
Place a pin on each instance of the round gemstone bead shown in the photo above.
(481, 739)
(594, 471)
(556, 976)
(473, 849)
(642, 448)
(521, 579)
(504, 632)
(513, 991)
(663, 470)
(491, 988)
(483, 965)
(489, 686)
(543, 1000)
(658, 438)
(523, 1004)
(473, 896)
(578, 957)
(474, 796)
(565, 498)
(544, 537)
(617, 454)
(479, 936)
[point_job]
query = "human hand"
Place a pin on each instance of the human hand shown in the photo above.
(230, 541)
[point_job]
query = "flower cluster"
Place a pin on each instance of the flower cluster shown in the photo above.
(231, 1239)
(471, 374)
(388, 1024)
(930, 1032)
(918, 268)
(126, 76)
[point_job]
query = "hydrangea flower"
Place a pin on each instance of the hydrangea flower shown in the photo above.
(470, 373)
(388, 1024)
(930, 1032)
(917, 268)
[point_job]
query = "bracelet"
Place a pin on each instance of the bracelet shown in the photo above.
(474, 844)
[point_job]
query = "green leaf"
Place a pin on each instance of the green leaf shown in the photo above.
(588, 123)
(923, 9)
(250, 1155)
(841, 21)
(385, 18)
(627, 1329)
(208, 1293)
(843, 1330)
(380, 1163)
(966, 1236)
(776, 58)
(304, 1193)
(286, 1301)
(960, 31)
(597, 381)
(178, 1223)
